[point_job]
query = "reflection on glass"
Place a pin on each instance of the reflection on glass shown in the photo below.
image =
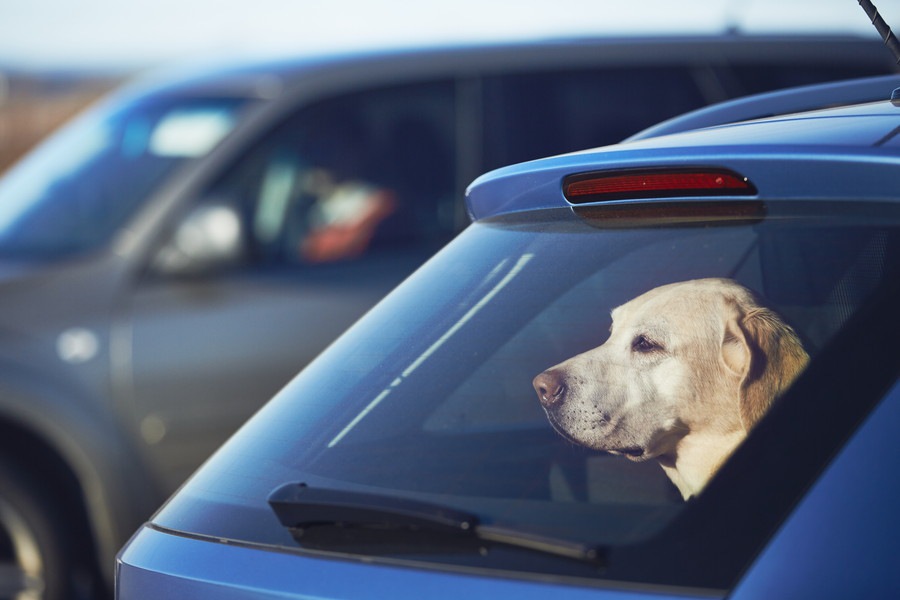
(74, 192)
(507, 277)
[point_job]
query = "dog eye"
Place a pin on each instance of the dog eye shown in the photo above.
(644, 344)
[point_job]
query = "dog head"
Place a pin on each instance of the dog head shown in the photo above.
(699, 356)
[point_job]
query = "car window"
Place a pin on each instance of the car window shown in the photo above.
(84, 183)
(436, 395)
(349, 176)
(530, 115)
(536, 114)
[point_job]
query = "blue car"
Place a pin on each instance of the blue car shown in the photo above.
(666, 368)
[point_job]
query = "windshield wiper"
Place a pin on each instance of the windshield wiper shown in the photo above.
(362, 518)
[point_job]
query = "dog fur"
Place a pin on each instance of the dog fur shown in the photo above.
(686, 372)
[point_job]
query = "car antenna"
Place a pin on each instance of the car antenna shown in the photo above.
(884, 30)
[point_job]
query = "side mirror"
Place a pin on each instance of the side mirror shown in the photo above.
(211, 237)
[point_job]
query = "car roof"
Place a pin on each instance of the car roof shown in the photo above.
(840, 153)
(793, 100)
(271, 76)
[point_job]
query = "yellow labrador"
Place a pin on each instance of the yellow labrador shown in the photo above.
(687, 370)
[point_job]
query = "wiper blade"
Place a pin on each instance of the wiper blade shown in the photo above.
(299, 506)
(304, 509)
(540, 543)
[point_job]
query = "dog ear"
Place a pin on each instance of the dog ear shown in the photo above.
(736, 351)
(775, 358)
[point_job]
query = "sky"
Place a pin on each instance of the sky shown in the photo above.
(150, 33)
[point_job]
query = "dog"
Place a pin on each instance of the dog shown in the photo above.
(688, 369)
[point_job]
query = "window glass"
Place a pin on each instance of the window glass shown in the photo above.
(531, 115)
(78, 188)
(436, 395)
(350, 176)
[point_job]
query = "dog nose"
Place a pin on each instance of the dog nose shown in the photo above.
(550, 387)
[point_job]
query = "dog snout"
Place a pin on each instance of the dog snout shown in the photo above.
(550, 387)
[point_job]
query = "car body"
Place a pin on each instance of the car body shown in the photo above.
(173, 258)
(413, 458)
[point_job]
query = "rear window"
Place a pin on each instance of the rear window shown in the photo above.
(501, 380)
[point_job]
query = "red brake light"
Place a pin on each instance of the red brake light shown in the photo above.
(656, 183)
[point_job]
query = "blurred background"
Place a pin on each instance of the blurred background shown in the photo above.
(58, 56)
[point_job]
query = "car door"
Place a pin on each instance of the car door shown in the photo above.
(311, 227)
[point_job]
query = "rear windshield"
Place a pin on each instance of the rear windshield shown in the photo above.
(542, 372)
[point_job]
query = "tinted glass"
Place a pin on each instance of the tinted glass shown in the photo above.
(531, 115)
(74, 193)
(350, 176)
(433, 395)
